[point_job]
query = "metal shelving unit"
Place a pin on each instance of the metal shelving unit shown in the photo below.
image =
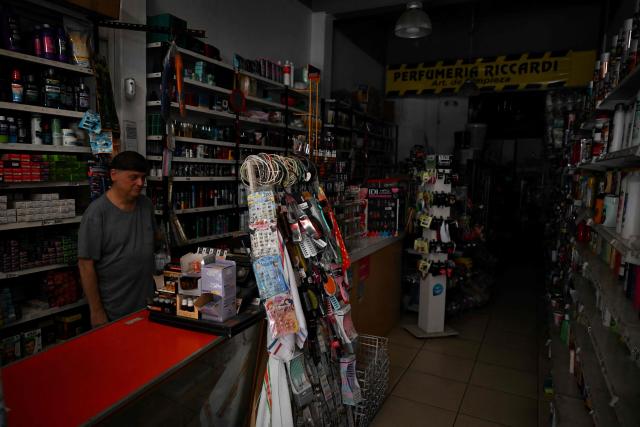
(40, 110)
(214, 237)
(194, 178)
(20, 273)
(37, 224)
(45, 148)
(48, 184)
(45, 62)
(197, 110)
(200, 210)
(193, 160)
(41, 314)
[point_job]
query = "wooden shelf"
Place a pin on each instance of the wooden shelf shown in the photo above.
(35, 270)
(198, 110)
(193, 160)
(195, 178)
(205, 141)
(45, 148)
(48, 184)
(46, 62)
(41, 314)
(624, 93)
(193, 54)
(261, 123)
(192, 82)
(337, 127)
(262, 79)
(200, 210)
(214, 237)
(36, 224)
(40, 110)
(262, 147)
(622, 245)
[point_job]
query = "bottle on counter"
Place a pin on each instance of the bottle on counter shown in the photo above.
(4, 130)
(31, 91)
(17, 89)
(51, 89)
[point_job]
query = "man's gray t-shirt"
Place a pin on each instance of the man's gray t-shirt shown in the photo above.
(121, 244)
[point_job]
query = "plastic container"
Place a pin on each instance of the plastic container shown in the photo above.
(13, 130)
(36, 40)
(17, 89)
(36, 129)
(62, 45)
(621, 203)
(31, 91)
(4, 130)
(631, 214)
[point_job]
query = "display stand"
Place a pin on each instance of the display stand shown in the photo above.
(433, 289)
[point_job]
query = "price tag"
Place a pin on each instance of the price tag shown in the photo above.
(188, 178)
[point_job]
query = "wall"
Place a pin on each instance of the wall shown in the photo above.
(430, 122)
(276, 29)
(352, 66)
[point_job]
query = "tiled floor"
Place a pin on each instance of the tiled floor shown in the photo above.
(486, 376)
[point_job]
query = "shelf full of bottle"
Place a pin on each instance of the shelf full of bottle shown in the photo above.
(208, 86)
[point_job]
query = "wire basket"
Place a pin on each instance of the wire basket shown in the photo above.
(372, 371)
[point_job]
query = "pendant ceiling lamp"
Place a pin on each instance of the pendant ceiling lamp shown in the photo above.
(413, 23)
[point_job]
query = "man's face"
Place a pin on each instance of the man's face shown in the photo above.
(128, 183)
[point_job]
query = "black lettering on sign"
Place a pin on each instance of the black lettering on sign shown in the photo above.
(449, 73)
(488, 71)
(420, 74)
(523, 68)
(546, 66)
(513, 68)
(440, 73)
(405, 75)
(504, 69)
(430, 72)
(474, 73)
(535, 67)
(396, 76)
(555, 65)
(459, 72)
(412, 75)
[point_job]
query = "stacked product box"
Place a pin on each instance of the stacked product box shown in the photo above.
(60, 288)
(17, 168)
(42, 207)
(7, 216)
(7, 309)
(31, 252)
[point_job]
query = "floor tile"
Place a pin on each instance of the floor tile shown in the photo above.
(431, 390)
(399, 335)
(395, 373)
(524, 326)
(443, 365)
(400, 412)
(467, 421)
(505, 379)
(400, 355)
(500, 407)
(453, 346)
(523, 360)
(471, 328)
(514, 340)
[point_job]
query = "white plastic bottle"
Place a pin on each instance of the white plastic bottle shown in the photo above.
(631, 215)
(615, 142)
(621, 203)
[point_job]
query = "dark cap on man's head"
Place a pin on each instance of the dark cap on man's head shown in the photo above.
(130, 161)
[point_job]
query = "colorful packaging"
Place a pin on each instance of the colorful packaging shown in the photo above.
(31, 342)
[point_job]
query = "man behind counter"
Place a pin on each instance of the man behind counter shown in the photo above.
(116, 243)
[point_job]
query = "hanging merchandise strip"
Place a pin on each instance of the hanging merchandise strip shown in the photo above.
(300, 264)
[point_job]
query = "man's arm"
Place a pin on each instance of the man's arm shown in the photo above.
(89, 280)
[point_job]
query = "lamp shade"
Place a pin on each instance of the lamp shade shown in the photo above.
(413, 23)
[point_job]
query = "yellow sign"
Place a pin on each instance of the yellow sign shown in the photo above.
(510, 72)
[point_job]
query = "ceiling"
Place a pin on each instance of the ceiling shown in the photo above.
(369, 23)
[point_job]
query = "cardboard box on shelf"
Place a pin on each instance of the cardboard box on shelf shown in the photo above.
(214, 308)
(219, 278)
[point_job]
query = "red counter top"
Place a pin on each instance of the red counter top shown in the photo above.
(74, 382)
